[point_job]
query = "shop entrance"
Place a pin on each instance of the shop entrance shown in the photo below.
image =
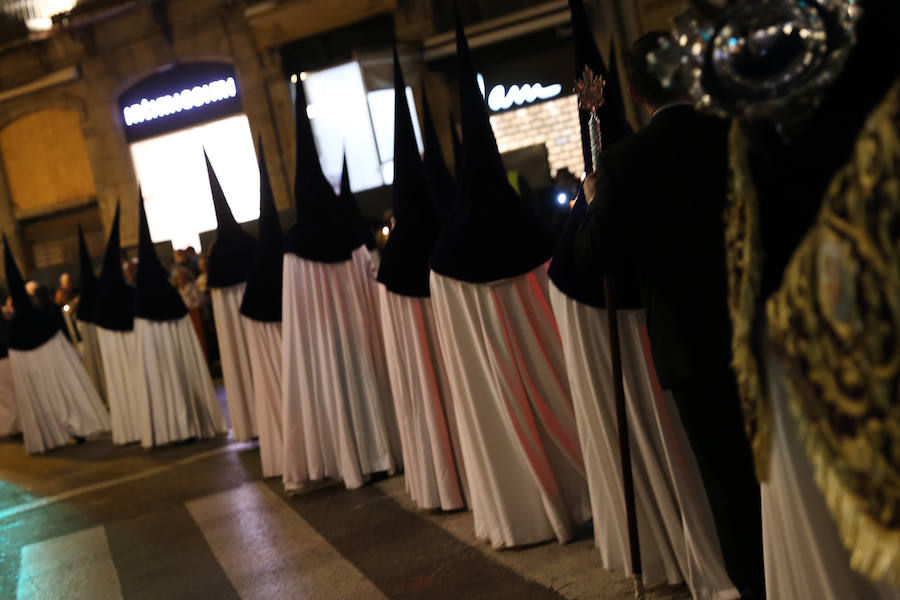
(170, 118)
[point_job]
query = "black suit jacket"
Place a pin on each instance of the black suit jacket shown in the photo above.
(659, 207)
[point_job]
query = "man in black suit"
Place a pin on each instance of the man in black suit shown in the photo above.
(656, 204)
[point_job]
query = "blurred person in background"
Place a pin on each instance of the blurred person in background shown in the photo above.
(65, 293)
(193, 299)
(129, 270)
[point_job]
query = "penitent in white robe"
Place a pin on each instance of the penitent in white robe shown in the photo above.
(264, 340)
(56, 398)
(332, 405)
(517, 427)
(677, 532)
(235, 354)
(368, 293)
(90, 355)
(804, 556)
(431, 453)
(177, 400)
(118, 350)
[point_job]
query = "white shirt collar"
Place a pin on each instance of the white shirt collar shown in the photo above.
(669, 105)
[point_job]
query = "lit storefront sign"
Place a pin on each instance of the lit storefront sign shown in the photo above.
(179, 97)
(501, 99)
(186, 99)
(169, 119)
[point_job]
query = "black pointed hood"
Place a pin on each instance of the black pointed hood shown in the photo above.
(114, 309)
(404, 260)
(440, 184)
(614, 127)
(30, 327)
(155, 298)
(320, 233)
(232, 253)
(362, 233)
(87, 299)
(262, 296)
(493, 234)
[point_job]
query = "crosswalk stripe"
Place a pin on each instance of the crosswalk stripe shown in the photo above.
(20, 508)
(74, 566)
(269, 551)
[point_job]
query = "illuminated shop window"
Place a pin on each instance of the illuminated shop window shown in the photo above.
(345, 116)
(175, 184)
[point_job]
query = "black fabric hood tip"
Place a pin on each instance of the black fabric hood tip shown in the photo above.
(404, 265)
(30, 327)
(493, 234)
(232, 253)
(155, 298)
(262, 296)
(114, 309)
(87, 298)
(440, 183)
(320, 233)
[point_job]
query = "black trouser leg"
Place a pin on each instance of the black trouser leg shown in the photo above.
(711, 415)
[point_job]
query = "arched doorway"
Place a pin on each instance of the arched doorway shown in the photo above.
(169, 118)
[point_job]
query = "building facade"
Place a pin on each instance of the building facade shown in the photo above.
(122, 93)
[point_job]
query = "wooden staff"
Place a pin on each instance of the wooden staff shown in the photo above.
(590, 97)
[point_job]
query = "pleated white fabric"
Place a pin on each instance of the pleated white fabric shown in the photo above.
(55, 396)
(9, 411)
(235, 353)
(516, 423)
(332, 405)
(120, 359)
(701, 560)
(177, 400)
(264, 340)
(91, 356)
(804, 556)
(427, 421)
(366, 268)
(677, 533)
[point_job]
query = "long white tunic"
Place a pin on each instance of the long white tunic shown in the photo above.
(177, 400)
(365, 267)
(431, 454)
(9, 411)
(804, 556)
(56, 398)
(332, 405)
(90, 355)
(516, 423)
(678, 537)
(235, 354)
(264, 340)
(118, 350)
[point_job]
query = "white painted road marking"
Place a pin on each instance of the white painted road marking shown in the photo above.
(20, 508)
(269, 551)
(72, 567)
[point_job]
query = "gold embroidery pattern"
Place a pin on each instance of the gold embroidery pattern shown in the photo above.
(742, 253)
(835, 324)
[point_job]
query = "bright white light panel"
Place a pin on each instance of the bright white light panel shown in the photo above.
(175, 185)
